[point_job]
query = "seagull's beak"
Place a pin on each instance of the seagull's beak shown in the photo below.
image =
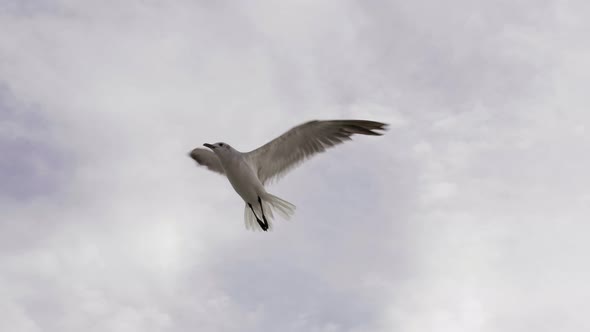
(212, 147)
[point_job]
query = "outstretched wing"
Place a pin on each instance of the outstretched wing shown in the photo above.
(208, 159)
(280, 155)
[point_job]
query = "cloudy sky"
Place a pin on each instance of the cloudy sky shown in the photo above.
(470, 214)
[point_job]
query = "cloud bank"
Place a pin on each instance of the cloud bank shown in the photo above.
(468, 215)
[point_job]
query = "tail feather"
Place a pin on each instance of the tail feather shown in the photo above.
(270, 203)
(249, 219)
(284, 208)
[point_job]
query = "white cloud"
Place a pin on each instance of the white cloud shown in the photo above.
(467, 216)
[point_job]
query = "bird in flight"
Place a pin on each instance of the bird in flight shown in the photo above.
(248, 172)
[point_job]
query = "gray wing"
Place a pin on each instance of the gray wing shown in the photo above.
(208, 159)
(285, 152)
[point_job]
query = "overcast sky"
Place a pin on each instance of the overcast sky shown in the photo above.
(470, 214)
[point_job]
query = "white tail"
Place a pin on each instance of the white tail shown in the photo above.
(270, 204)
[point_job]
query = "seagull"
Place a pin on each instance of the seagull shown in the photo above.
(249, 172)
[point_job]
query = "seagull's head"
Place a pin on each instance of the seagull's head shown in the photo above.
(220, 149)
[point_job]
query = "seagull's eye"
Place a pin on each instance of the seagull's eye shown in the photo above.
(221, 144)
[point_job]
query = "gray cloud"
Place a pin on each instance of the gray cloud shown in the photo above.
(467, 216)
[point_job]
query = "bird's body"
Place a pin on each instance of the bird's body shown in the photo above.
(248, 172)
(241, 175)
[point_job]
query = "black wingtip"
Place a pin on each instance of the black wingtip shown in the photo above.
(366, 127)
(382, 126)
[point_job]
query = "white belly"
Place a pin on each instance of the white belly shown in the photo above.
(244, 181)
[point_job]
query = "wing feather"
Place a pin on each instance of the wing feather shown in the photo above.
(287, 151)
(208, 159)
